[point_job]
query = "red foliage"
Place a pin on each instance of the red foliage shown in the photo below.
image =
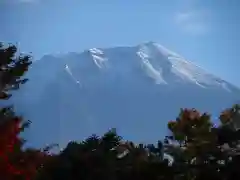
(14, 162)
(225, 116)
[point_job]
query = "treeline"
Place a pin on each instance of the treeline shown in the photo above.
(195, 149)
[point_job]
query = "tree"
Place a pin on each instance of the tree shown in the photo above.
(14, 162)
(207, 151)
(12, 69)
(107, 157)
(200, 151)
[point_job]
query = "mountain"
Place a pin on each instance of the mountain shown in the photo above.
(134, 89)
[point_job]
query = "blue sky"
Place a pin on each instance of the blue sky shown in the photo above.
(203, 31)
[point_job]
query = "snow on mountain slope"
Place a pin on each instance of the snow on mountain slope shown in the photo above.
(177, 65)
(134, 89)
(160, 64)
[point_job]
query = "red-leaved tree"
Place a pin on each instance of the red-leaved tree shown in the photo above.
(15, 163)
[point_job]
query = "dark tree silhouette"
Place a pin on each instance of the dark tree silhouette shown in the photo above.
(198, 148)
(14, 162)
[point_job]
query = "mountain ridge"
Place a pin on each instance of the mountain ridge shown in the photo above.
(96, 54)
(100, 59)
(133, 89)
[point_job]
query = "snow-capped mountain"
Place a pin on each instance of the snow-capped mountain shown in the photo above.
(134, 89)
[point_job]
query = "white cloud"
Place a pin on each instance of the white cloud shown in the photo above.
(196, 28)
(192, 22)
(183, 17)
(191, 19)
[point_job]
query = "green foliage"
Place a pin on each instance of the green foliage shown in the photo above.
(12, 69)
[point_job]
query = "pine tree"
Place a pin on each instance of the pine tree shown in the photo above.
(14, 162)
(12, 69)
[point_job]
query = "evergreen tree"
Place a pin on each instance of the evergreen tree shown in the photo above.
(12, 69)
(14, 162)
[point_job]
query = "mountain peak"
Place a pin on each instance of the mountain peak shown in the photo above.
(149, 43)
(153, 60)
(102, 88)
